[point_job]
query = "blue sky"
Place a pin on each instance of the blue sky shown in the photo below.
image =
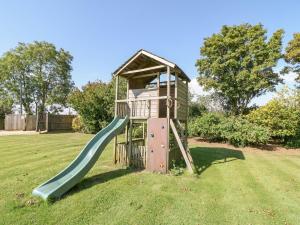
(102, 34)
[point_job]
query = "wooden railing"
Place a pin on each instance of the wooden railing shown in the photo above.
(122, 109)
(134, 156)
(140, 108)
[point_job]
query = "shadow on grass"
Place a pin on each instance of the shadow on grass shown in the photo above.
(98, 179)
(204, 157)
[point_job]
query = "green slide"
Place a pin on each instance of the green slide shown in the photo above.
(72, 174)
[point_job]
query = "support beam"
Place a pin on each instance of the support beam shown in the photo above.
(168, 113)
(130, 138)
(188, 161)
(176, 96)
(143, 70)
(116, 114)
(158, 92)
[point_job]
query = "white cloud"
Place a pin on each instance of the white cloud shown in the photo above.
(195, 88)
(290, 79)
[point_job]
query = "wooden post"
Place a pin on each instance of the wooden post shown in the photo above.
(176, 96)
(130, 140)
(47, 122)
(37, 121)
(187, 114)
(144, 131)
(127, 98)
(168, 115)
(116, 114)
(158, 90)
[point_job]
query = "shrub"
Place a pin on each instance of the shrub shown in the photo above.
(240, 132)
(206, 126)
(282, 120)
(77, 124)
(95, 105)
(293, 143)
(137, 131)
(235, 130)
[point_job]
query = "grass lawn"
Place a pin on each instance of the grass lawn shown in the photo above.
(233, 187)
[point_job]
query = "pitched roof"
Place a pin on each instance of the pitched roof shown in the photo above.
(150, 62)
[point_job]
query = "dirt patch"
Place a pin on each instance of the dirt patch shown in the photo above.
(16, 132)
(265, 148)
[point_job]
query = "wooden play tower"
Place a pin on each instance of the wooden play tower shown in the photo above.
(156, 102)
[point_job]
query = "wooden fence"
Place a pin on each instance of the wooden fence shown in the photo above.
(14, 122)
(1, 124)
(48, 122)
(59, 122)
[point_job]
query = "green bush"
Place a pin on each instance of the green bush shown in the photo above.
(282, 120)
(206, 126)
(293, 143)
(95, 105)
(77, 124)
(235, 130)
(137, 131)
(240, 132)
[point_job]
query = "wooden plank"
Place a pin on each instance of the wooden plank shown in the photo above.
(176, 94)
(144, 70)
(142, 99)
(116, 114)
(189, 163)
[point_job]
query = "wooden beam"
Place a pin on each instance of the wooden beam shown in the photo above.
(141, 76)
(168, 113)
(158, 92)
(168, 91)
(116, 95)
(188, 162)
(176, 96)
(143, 70)
(159, 59)
(116, 114)
(142, 99)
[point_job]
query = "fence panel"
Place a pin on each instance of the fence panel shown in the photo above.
(28, 122)
(60, 122)
(1, 124)
(14, 122)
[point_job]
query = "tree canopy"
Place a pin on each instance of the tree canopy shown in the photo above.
(237, 63)
(292, 56)
(37, 74)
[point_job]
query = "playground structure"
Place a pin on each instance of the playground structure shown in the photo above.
(159, 105)
(156, 98)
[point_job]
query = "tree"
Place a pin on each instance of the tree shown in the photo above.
(292, 56)
(237, 64)
(6, 101)
(6, 104)
(95, 104)
(15, 72)
(38, 73)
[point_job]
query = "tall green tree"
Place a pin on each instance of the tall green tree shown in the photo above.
(16, 76)
(39, 74)
(292, 56)
(237, 63)
(6, 101)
